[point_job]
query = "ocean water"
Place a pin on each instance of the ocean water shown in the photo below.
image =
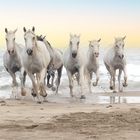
(133, 70)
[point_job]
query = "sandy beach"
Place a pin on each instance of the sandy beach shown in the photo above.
(25, 119)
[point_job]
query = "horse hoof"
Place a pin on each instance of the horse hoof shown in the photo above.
(33, 94)
(49, 85)
(83, 97)
(111, 87)
(23, 93)
(125, 85)
(120, 91)
(39, 102)
(44, 95)
(94, 84)
(53, 88)
(46, 101)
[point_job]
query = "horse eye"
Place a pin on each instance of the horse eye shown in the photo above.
(6, 39)
(33, 38)
(14, 39)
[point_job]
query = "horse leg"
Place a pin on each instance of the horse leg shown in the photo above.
(77, 77)
(89, 77)
(52, 81)
(41, 84)
(23, 79)
(97, 78)
(59, 71)
(14, 84)
(125, 78)
(48, 81)
(81, 80)
(113, 75)
(119, 80)
(14, 81)
(34, 89)
(70, 83)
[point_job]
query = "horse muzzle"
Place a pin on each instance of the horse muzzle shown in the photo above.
(96, 54)
(29, 52)
(74, 55)
(121, 56)
(11, 52)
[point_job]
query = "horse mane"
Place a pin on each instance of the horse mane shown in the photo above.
(46, 42)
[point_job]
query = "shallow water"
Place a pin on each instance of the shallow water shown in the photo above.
(133, 65)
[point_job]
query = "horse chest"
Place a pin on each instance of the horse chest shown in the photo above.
(34, 66)
(92, 67)
(14, 65)
(74, 68)
(118, 65)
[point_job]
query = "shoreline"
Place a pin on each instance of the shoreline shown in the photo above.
(25, 119)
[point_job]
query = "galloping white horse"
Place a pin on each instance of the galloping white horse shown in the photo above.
(92, 64)
(74, 63)
(56, 63)
(12, 58)
(36, 60)
(115, 59)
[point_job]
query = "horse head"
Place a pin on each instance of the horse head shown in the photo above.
(74, 44)
(30, 40)
(119, 47)
(10, 41)
(94, 47)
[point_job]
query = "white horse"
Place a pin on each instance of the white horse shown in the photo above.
(92, 64)
(74, 63)
(115, 59)
(36, 60)
(12, 58)
(56, 64)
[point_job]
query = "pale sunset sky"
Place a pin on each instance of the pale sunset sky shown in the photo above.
(56, 19)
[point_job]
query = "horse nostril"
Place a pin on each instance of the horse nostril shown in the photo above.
(96, 54)
(9, 51)
(12, 51)
(122, 56)
(29, 52)
(74, 55)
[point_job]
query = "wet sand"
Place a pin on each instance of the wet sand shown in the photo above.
(25, 119)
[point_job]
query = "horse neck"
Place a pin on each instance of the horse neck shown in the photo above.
(48, 45)
(36, 48)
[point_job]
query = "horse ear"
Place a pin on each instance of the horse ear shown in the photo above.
(89, 43)
(79, 35)
(124, 37)
(44, 37)
(6, 31)
(15, 30)
(99, 40)
(24, 29)
(33, 28)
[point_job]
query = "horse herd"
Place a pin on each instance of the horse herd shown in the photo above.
(39, 60)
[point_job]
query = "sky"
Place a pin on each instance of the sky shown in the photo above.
(92, 19)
